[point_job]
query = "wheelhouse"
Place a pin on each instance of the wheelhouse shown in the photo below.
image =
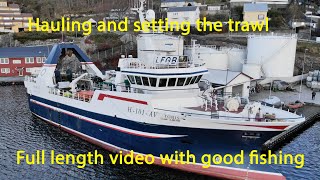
(147, 81)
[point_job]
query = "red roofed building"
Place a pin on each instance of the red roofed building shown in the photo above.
(18, 61)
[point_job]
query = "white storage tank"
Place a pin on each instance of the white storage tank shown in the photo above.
(236, 58)
(213, 57)
(275, 53)
(252, 70)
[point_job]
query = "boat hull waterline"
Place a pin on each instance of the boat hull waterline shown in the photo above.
(115, 140)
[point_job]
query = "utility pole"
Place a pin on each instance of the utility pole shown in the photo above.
(270, 90)
(226, 82)
(304, 59)
(310, 27)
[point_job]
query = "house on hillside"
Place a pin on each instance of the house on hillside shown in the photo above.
(11, 18)
(93, 22)
(254, 12)
(313, 21)
(217, 8)
(118, 15)
(166, 4)
(271, 3)
(181, 14)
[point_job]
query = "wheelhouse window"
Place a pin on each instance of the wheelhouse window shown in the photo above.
(44, 59)
(163, 82)
(181, 81)
(188, 81)
(138, 80)
(131, 79)
(153, 82)
(29, 60)
(198, 79)
(172, 82)
(193, 80)
(145, 81)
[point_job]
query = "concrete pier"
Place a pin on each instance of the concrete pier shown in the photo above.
(312, 114)
(6, 81)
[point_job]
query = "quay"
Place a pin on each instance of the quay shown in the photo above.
(7, 81)
(311, 112)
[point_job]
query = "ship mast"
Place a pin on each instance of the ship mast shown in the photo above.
(140, 11)
(144, 15)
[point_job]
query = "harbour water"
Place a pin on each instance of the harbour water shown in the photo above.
(22, 131)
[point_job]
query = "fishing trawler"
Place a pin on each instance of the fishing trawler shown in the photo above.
(153, 105)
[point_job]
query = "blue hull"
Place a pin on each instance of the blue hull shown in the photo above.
(198, 141)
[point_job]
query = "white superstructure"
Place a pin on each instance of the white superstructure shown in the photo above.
(156, 45)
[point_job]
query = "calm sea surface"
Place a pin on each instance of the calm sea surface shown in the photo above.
(22, 131)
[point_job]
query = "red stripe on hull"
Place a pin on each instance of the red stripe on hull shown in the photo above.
(102, 96)
(217, 172)
(270, 127)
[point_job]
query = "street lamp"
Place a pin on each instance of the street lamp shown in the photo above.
(304, 59)
(311, 27)
(226, 82)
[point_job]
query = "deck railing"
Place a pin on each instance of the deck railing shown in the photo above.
(139, 65)
(68, 94)
(30, 79)
(183, 62)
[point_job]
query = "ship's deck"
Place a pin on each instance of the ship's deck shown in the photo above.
(213, 108)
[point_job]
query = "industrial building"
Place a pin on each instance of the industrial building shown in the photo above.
(267, 56)
(230, 82)
(18, 61)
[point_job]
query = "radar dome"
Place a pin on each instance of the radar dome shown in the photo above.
(150, 15)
